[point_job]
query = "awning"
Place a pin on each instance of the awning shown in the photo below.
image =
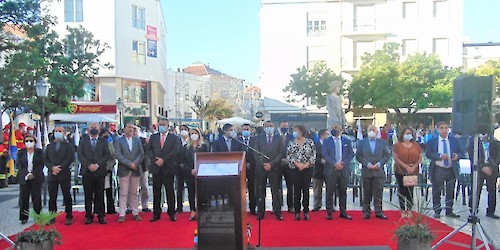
(84, 117)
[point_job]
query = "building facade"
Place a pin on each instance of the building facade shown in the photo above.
(296, 33)
(135, 31)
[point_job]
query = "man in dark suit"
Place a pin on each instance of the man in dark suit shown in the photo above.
(226, 143)
(372, 153)
(249, 140)
(163, 148)
(59, 155)
(286, 137)
(338, 154)
(318, 178)
(93, 154)
(489, 157)
(270, 145)
(444, 152)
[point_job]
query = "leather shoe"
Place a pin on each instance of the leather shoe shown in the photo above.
(155, 218)
(297, 216)
(366, 216)
(345, 216)
(121, 219)
(88, 221)
(329, 216)
(68, 222)
(381, 216)
(23, 222)
(279, 217)
(146, 210)
(261, 216)
(306, 216)
(493, 216)
(172, 217)
(102, 221)
(316, 209)
(137, 218)
(452, 215)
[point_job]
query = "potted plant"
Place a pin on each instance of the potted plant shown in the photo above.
(42, 238)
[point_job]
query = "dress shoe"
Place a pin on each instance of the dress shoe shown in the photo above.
(68, 222)
(179, 211)
(172, 217)
(306, 216)
(88, 221)
(52, 222)
(452, 215)
(23, 222)
(366, 216)
(102, 221)
(329, 216)
(493, 216)
(279, 216)
(121, 219)
(111, 212)
(146, 210)
(155, 218)
(381, 216)
(128, 211)
(261, 216)
(345, 216)
(437, 216)
(297, 216)
(137, 217)
(316, 209)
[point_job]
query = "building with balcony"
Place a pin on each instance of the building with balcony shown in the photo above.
(135, 31)
(296, 33)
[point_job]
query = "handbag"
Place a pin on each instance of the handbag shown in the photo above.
(410, 180)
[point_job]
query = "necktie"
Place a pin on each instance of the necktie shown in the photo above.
(269, 140)
(93, 144)
(445, 151)
(162, 141)
(283, 137)
(246, 141)
(337, 150)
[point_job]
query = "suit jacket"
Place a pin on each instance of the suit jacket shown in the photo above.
(87, 156)
(288, 139)
(22, 166)
(364, 155)
(169, 154)
(221, 146)
(126, 157)
(493, 160)
(432, 153)
(64, 157)
(329, 152)
(273, 151)
(188, 156)
(249, 153)
(318, 166)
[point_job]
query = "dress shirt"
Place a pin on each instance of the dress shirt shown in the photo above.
(129, 142)
(30, 164)
(338, 149)
(228, 143)
(373, 143)
(441, 151)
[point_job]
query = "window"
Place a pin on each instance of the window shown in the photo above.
(440, 9)
(364, 17)
(410, 10)
(135, 91)
(315, 55)
(73, 11)
(440, 47)
(409, 46)
(316, 24)
(90, 92)
(138, 17)
(361, 48)
(139, 52)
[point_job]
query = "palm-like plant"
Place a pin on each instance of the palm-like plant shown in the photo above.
(45, 232)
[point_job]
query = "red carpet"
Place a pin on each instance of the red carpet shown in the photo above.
(287, 233)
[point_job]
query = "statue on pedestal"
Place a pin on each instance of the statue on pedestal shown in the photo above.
(334, 106)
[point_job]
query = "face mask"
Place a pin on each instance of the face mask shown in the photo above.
(232, 134)
(58, 136)
(94, 131)
(245, 133)
(269, 130)
(284, 130)
(184, 133)
(295, 134)
(372, 134)
(29, 144)
(162, 129)
(195, 137)
(407, 137)
(334, 132)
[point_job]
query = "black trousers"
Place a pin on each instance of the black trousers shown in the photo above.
(252, 198)
(275, 182)
(110, 198)
(373, 188)
(333, 183)
(405, 194)
(191, 185)
(288, 174)
(53, 187)
(31, 189)
(93, 187)
(301, 183)
(181, 178)
(491, 182)
(166, 181)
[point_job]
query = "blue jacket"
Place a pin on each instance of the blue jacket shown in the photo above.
(432, 153)
(329, 151)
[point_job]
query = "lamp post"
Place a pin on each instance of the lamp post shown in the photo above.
(42, 90)
(119, 106)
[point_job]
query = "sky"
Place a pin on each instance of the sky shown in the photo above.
(225, 33)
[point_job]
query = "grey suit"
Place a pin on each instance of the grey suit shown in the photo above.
(373, 179)
(129, 178)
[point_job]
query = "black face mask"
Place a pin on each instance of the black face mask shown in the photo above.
(284, 130)
(334, 132)
(94, 131)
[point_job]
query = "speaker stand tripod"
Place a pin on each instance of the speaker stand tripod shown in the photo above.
(473, 220)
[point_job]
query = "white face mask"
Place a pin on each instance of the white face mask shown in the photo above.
(372, 134)
(184, 133)
(407, 137)
(195, 137)
(29, 144)
(232, 134)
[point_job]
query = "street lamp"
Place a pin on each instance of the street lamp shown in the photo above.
(42, 90)
(119, 106)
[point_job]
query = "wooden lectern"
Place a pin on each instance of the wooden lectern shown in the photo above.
(221, 200)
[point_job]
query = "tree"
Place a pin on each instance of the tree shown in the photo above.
(211, 110)
(489, 68)
(311, 84)
(16, 14)
(419, 82)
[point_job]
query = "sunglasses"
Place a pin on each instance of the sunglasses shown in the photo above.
(29, 141)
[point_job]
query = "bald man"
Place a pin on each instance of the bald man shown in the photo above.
(372, 153)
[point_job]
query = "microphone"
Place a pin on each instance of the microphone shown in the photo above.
(253, 149)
